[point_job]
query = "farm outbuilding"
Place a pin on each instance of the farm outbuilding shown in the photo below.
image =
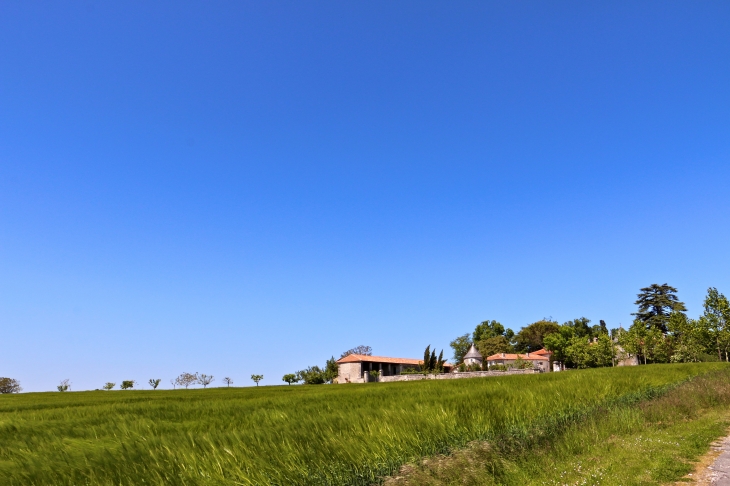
(356, 368)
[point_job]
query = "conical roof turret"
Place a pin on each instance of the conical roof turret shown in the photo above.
(473, 353)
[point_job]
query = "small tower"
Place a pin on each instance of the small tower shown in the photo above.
(473, 357)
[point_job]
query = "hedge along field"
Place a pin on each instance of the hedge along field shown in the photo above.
(341, 434)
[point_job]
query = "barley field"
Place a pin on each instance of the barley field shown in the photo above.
(297, 435)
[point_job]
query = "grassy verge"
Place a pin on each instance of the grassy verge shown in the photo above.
(326, 435)
(649, 442)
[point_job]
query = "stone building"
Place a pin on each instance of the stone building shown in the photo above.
(540, 359)
(356, 368)
(473, 357)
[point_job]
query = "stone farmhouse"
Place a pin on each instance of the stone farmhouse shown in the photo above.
(356, 368)
(540, 359)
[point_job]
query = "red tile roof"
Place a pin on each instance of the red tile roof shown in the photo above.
(536, 356)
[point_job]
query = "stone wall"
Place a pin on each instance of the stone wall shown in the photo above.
(452, 376)
(349, 373)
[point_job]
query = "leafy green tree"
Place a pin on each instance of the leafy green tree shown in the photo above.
(580, 327)
(493, 345)
(557, 343)
(692, 338)
(717, 316)
(127, 384)
(461, 346)
(314, 375)
(9, 385)
(331, 370)
(510, 335)
(656, 303)
(530, 338)
(154, 383)
(290, 378)
(108, 385)
(579, 352)
(486, 330)
(602, 351)
(257, 378)
(634, 340)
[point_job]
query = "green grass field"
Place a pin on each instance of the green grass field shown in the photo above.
(345, 434)
(651, 442)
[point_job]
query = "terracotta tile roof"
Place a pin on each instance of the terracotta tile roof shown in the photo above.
(543, 352)
(532, 357)
(359, 358)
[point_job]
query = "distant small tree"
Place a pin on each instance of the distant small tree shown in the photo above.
(290, 378)
(257, 378)
(127, 384)
(64, 386)
(186, 379)
(205, 380)
(227, 381)
(9, 385)
(173, 382)
(109, 385)
(361, 350)
(154, 383)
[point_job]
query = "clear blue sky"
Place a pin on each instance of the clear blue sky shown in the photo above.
(253, 187)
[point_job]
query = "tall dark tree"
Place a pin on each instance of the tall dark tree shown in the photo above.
(431, 363)
(427, 358)
(656, 303)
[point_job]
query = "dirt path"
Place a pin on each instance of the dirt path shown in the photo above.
(714, 468)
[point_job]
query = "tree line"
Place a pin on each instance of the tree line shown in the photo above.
(660, 333)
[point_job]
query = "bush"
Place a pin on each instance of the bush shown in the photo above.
(498, 367)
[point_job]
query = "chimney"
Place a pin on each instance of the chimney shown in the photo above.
(503, 355)
(528, 354)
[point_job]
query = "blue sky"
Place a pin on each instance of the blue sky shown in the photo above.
(253, 187)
